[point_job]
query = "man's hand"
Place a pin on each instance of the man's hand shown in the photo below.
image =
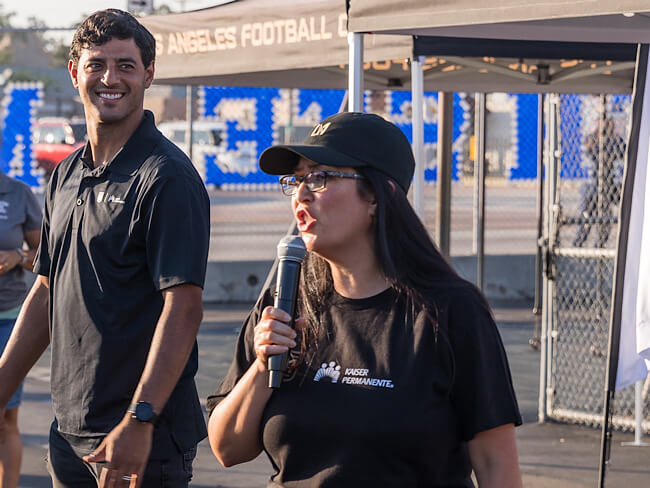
(126, 452)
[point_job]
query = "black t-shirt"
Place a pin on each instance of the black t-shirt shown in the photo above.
(113, 238)
(383, 400)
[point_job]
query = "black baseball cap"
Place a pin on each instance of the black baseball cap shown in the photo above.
(352, 139)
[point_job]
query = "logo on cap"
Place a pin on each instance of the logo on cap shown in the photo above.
(320, 129)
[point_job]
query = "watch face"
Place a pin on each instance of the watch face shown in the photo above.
(143, 412)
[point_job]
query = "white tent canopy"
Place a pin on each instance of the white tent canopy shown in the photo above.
(550, 20)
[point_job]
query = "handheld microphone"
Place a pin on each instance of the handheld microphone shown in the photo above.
(291, 252)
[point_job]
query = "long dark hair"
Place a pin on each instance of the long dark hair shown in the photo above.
(406, 255)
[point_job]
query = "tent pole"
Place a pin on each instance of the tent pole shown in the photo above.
(355, 72)
(638, 417)
(443, 211)
(417, 97)
(479, 186)
(540, 202)
(544, 405)
(189, 114)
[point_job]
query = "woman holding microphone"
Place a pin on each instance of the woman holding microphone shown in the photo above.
(398, 375)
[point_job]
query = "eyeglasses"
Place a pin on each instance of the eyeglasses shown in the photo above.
(314, 181)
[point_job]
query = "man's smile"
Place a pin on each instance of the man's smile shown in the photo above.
(110, 95)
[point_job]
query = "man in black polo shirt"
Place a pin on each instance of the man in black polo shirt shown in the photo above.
(121, 265)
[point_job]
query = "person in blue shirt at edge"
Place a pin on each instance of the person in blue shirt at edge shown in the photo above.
(20, 224)
(398, 377)
(121, 267)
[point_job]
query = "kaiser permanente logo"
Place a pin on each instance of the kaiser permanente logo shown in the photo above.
(331, 372)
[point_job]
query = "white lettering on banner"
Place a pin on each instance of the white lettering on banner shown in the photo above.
(315, 36)
(160, 48)
(289, 31)
(226, 38)
(255, 34)
(292, 30)
(268, 34)
(343, 25)
(199, 41)
(303, 30)
(323, 29)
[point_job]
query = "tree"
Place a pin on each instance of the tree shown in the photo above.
(5, 21)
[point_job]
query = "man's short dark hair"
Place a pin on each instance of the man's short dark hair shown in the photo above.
(104, 25)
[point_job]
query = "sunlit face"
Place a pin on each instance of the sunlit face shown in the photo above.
(336, 221)
(111, 80)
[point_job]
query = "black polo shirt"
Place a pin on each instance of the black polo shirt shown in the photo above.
(113, 237)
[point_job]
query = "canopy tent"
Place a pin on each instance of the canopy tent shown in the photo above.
(304, 45)
(550, 20)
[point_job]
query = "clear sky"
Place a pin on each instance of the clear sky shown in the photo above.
(63, 13)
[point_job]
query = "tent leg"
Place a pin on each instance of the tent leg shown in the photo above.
(417, 97)
(479, 187)
(638, 417)
(540, 202)
(355, 72)
(445, 127)
(189, 114)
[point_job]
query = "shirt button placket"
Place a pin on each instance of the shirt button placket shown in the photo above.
(80, 202)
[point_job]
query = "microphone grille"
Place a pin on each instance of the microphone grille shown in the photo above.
(292, 248)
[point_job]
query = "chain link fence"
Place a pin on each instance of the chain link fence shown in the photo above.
(592, 146)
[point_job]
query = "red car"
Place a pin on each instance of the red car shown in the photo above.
(55, 138)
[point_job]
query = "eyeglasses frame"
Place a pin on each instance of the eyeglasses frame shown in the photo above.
(298, 180)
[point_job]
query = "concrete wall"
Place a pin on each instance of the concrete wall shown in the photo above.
(506, 278)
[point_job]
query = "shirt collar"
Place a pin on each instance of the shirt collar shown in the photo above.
(129, 159)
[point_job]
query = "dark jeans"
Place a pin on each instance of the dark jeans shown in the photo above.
(68, 470)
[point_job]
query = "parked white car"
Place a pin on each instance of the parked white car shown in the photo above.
(208, 138)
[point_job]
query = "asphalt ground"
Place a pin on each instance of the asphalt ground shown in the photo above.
(550, 454)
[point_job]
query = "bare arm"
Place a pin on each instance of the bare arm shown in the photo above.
(493, 454)
(234, 426)
(30, 337)
(126, 448)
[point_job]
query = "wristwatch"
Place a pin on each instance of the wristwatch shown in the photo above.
(23, 256)
(143, 412)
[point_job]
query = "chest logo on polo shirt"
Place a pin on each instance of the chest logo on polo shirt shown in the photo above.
(3, 210)
(102, 197)
(328, 372)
